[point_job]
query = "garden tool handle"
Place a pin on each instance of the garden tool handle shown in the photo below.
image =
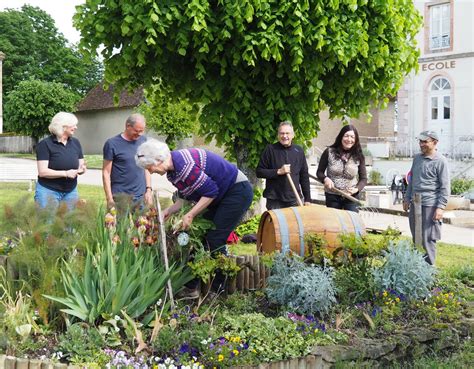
(298, 199)
(342, 193)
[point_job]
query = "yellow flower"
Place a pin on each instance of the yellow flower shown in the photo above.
(236, 352)
(385, 293)
(397, 299)
(220, 357)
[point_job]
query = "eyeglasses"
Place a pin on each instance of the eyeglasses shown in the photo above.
(425, 141)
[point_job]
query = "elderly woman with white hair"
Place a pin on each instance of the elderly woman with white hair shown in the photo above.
(59, 161)
(206, 179)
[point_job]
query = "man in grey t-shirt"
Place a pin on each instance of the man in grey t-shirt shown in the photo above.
(430, 178)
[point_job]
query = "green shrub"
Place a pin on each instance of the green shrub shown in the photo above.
(303, 288)
(375, 177)
(81, 344)
(405, 271)
(278, 338)
(355, 282)
(461, 185)
(248, 227)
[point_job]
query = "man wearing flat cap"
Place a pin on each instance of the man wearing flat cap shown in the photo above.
(430, 178)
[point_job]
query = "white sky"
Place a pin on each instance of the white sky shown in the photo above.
(60, 10)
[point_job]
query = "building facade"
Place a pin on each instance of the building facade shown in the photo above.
(440, 95)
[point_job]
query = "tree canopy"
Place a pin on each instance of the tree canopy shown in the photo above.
(33, 103)
(35, 49)
(174, 118)
(254, 63)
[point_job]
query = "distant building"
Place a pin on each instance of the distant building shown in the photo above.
(440, 96)
(99, 117)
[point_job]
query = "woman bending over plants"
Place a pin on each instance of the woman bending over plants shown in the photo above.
(209, 181)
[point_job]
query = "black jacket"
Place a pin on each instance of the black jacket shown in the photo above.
(278, 187)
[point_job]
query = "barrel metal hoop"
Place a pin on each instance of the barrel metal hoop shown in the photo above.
(341, 221)
(285, 239)
(355, 222)
(300, 229)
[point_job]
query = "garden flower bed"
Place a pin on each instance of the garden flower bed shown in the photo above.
(97, 295)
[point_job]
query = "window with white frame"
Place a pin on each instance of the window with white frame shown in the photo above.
(440, 99)
(440, 26)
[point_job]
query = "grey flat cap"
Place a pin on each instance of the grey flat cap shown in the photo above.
(423, 136)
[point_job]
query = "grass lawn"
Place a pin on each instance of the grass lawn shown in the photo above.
(92, 161)
(12, 192)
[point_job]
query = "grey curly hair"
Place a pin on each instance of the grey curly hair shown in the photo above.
(151, 152)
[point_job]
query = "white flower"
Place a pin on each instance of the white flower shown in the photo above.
(158, 303)
(117, 329)
(117, 318)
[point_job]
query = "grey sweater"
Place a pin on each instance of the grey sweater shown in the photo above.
(430, 178)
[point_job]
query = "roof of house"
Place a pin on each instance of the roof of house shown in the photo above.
(99, 99)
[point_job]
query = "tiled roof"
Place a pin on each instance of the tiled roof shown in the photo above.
(98, 99)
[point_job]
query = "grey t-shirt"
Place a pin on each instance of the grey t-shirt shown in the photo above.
(430, 178)
(126, 177)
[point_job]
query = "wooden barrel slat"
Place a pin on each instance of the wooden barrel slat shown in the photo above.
(318, 219)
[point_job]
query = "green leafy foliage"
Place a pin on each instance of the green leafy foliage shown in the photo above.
(117, 276)
(375, 177)
(82, 344)
(32, 104)
(35, 49)
(461, 185)
(275, 339)
(248, 227)
(307, 289)
(174, 118)
(43, 239)
(255, 63)
(405, 271)
(355, 282)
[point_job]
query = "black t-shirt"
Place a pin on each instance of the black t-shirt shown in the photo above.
(59, 157)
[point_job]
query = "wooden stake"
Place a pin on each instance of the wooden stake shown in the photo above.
(164, 250)
(418, 219)
(298, 198)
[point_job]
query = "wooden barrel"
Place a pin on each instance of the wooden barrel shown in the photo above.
(284, 229)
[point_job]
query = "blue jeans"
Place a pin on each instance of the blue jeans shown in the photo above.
(45, 197)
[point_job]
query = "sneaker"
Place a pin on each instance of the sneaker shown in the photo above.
(188, 293)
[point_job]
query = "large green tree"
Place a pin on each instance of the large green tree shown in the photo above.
(175, 118)
(253, 63)
(35, 49)
(33, 103)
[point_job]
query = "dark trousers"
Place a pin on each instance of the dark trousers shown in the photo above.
(226, 215)
(340, 202)
(277, 204)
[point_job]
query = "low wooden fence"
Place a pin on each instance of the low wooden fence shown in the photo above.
(252, 276)
(16, 144)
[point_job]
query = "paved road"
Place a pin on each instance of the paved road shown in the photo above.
(91, 177)
(450, 234)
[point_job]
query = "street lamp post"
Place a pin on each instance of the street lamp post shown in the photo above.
(2, 56)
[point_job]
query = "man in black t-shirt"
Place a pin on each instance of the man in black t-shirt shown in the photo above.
(276, 161)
